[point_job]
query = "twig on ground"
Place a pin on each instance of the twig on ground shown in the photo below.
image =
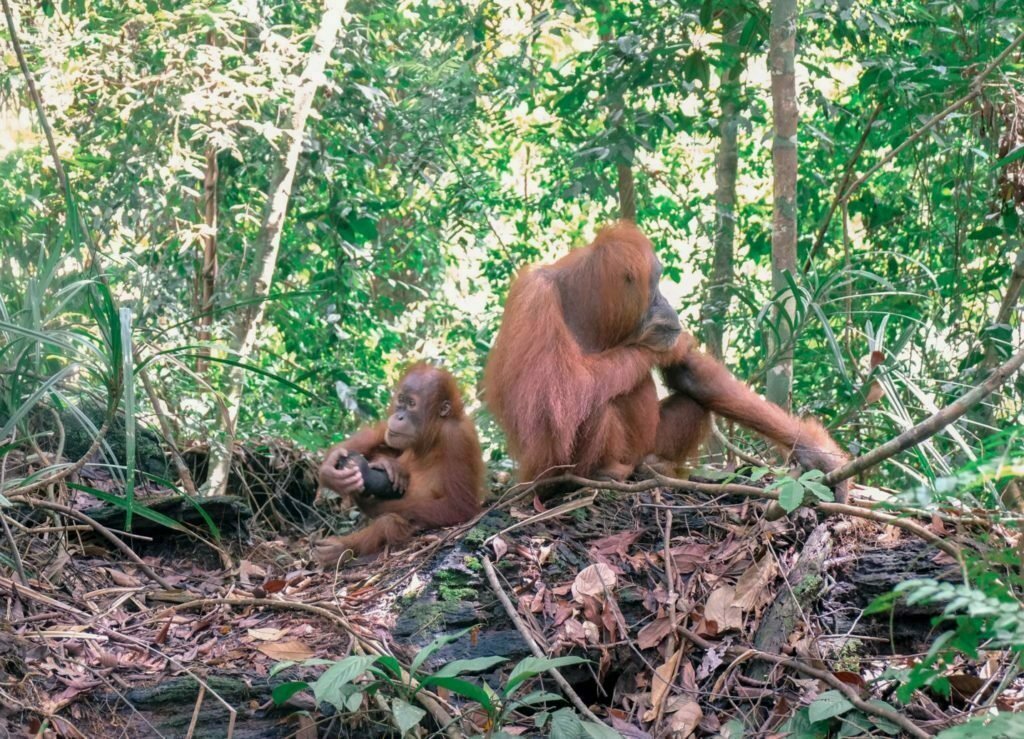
(848, 691)
(102, 531)
(195, 712)
(62, 472)
(203, 684)
(755, 492)
(510, 609)
(26, 592)
(432, 705)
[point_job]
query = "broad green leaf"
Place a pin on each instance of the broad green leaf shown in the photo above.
(828, 705)
(461, 687)
(328, 686)
(565, 724)
(406, 715)
(354, 700)
(791, 494)
(424, 654)
(986, 232)
(1004, 726)
(461, 666)
(532, 666)
(284, 691)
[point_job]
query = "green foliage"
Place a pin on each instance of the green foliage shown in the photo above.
(346, 682)
(795, 491)
(832, 715)
(1003, 726)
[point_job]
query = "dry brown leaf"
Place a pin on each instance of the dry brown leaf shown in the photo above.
(545, 554)
(307, 727)
(652, 634)
(662, 680)
(249, 572)
(500, 547)
(688, 678)
(274, 586)
(267, 634)
(723, 609)
(615, 544)
(752, 587)
(685, 719)
(593, 580)
(123, 579)
(282, 650)
(689, 557)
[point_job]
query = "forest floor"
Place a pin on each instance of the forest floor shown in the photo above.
(673, 597)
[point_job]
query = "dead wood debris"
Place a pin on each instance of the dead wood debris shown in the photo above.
(668, 608)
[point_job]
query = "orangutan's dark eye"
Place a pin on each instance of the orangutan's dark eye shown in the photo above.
(629, 279)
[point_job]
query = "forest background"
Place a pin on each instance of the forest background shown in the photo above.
(449, 145)
(233, 222)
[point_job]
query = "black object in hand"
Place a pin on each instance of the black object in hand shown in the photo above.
(375, 482)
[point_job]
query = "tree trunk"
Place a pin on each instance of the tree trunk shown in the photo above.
(781, 64)
(627, 192)
(208, 276)
(268, 241)
(726, 165)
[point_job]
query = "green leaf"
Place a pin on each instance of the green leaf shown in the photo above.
(986, 232)
(125, 504)
(821, 492)
(538, 696)
(327, 687)
(461, 666)
(758, 472)
(791, 494)
(424, 654)
(354, 700)
(406, 715)
(565, 724)
(391, 664)
(34, 398)
(276, 668)
(883, 724)
(461, 687)
(1013, 156)
(284, 691)
(706, 14)
(533, 666)
(1004, 726)
(800, 727)
(829, 704)
(128, 395)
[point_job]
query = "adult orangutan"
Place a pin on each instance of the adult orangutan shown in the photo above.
(420, 468)
(569, 376)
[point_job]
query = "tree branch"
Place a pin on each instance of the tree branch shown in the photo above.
(930, 426)
(975, 90)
